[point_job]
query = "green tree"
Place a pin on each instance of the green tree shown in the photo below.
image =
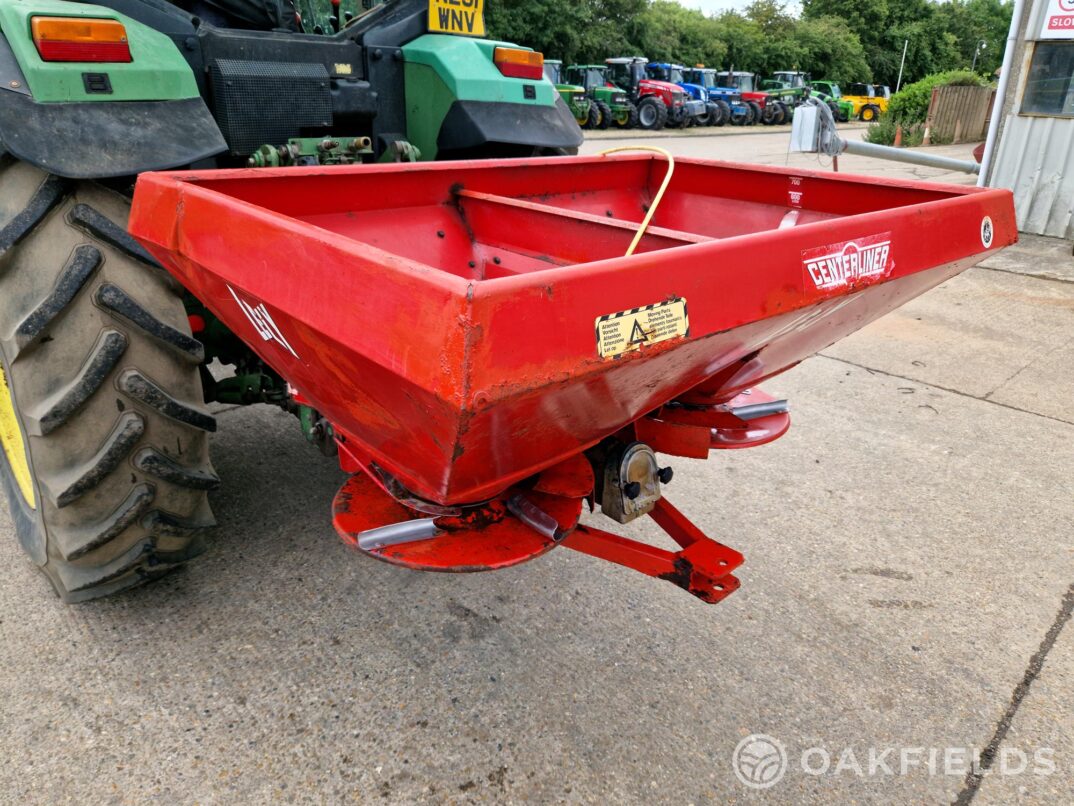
(571, 30)
(771, 17)
(865, 17)
(744, 40)
(830, 49)
(824, 46)
(975, 21)
(669, 32)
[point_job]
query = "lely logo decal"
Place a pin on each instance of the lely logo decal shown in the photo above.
(849, 264)
(263, 322)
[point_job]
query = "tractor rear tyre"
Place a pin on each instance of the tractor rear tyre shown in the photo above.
(869, 113)
(628, 120)
(652, 114)
(605, 114)
(105, 454)
(725, 113)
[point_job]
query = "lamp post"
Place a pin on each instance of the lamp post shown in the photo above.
(902, 64)
(981, 45)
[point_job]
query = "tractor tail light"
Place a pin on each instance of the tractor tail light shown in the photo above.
(80, 39)
(515, 63)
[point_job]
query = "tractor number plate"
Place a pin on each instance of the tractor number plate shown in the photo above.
(465, 17)
(621, 332)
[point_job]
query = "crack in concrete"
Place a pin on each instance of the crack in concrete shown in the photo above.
(946, 389)
(1033, 276)
(974, 777)
(1020, 370)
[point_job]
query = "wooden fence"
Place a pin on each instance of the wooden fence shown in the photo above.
(959, 114)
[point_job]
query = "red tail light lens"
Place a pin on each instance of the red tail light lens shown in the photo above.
(80, 39)
(515, 63)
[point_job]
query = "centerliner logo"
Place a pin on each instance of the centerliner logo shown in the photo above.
(851, 263)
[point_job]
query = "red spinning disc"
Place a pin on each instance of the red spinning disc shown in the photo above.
(483, 539)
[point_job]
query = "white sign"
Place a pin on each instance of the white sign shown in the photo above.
(1058, 20)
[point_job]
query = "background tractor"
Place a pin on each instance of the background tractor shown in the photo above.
(659, 103)
(733, 109)
(594, 78)
(589, 113)
(703, 111)
(830, 93)
(763, 107)
(103, 425)
(867, 105)
(790, 87)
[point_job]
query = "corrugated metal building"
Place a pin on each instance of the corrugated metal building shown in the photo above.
(1035, 152)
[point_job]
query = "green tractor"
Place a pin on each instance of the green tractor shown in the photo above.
(104, 380)
(790, 87)
(830, 93)
(589, 113)
(599, 87)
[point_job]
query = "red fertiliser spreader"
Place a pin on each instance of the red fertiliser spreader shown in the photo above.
(486, 357)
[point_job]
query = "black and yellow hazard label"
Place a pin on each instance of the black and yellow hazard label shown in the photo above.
(619, 333)
(466, 17)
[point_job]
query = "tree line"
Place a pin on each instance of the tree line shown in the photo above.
(841, 40)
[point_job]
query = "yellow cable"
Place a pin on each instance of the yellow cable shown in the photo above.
(659, 194)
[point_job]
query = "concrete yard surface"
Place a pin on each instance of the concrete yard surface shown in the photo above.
(906, 597)
(770, 145)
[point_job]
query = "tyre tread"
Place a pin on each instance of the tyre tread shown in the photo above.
(94, 373)
(80, 267)
(48, 195)
(154, 463)
(140, 388)
(121, 304)
(120, 442)
(80, 542)
(99, 226)
(92, 323)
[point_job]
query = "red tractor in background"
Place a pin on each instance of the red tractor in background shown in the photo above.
(769, 110)
(659, 103)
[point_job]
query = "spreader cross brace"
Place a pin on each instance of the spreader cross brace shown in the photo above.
(703, 567)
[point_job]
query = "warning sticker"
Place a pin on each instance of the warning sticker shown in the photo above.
(619, 333)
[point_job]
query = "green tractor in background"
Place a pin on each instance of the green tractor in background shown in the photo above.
(104, 380)
(594, 78)
(790, 87)
(588, 112)
(830, 93)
